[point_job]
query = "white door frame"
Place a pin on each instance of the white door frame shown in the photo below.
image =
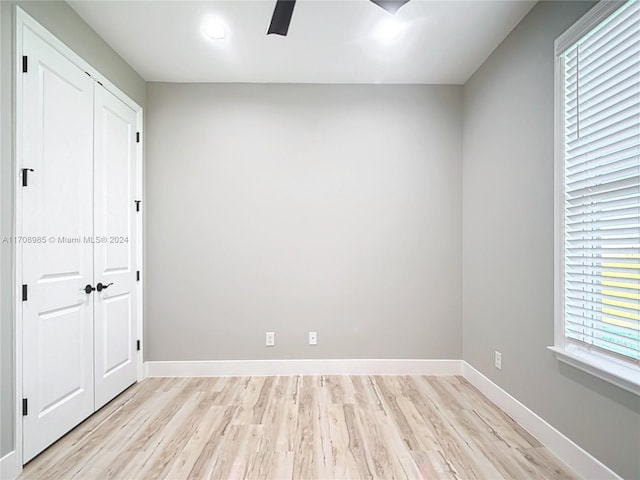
(25, 21)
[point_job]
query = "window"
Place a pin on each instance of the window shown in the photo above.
(598, 194)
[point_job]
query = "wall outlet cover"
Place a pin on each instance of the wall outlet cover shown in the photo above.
(498, 360)
(270, 339)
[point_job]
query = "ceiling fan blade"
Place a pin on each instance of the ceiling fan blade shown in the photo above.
(281, 17)
(390, 6)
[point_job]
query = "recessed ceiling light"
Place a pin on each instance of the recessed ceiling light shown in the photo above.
(213, 29)
(390, 29)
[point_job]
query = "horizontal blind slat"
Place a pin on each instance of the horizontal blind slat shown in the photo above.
(611, 326)
(589, 159)
(623, 139)
(627, 156)
(606, 176)
(622, 106)
(594, 129)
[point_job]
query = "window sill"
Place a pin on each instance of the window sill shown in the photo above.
(617, 372)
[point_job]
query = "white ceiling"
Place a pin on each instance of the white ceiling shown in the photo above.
(329, 41)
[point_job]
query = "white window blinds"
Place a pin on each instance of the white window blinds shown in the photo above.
(601, 95)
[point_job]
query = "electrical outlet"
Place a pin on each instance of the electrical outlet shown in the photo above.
(270, 339)
(497, 361)
(313, 338)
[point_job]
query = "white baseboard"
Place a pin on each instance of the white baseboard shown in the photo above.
(575, 457)
(10, 467)
(222, 368)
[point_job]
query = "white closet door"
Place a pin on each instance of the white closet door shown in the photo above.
(57, 143)
(114, 250)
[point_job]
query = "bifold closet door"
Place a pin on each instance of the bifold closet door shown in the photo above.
(78, 244)
(114, 247)
(57, 217)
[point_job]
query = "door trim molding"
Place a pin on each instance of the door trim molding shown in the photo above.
(10, 467)
(24, 20)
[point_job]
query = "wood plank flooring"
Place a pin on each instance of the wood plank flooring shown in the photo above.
(311, 427)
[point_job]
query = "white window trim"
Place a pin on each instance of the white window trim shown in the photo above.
(606, 367)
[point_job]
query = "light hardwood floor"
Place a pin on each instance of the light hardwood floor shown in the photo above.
(324, 427)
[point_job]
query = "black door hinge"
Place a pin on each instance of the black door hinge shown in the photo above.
(25, 176)
(138, 345)
(137, 275)
(138, 205)
(25, 64)
(137, 137)
(24, 293)
(25, 406)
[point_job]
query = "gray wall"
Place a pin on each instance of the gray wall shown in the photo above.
(296, 208)
(508, 244)
(63, 22)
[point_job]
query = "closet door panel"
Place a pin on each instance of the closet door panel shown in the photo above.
(114, 248)
(57, 263)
